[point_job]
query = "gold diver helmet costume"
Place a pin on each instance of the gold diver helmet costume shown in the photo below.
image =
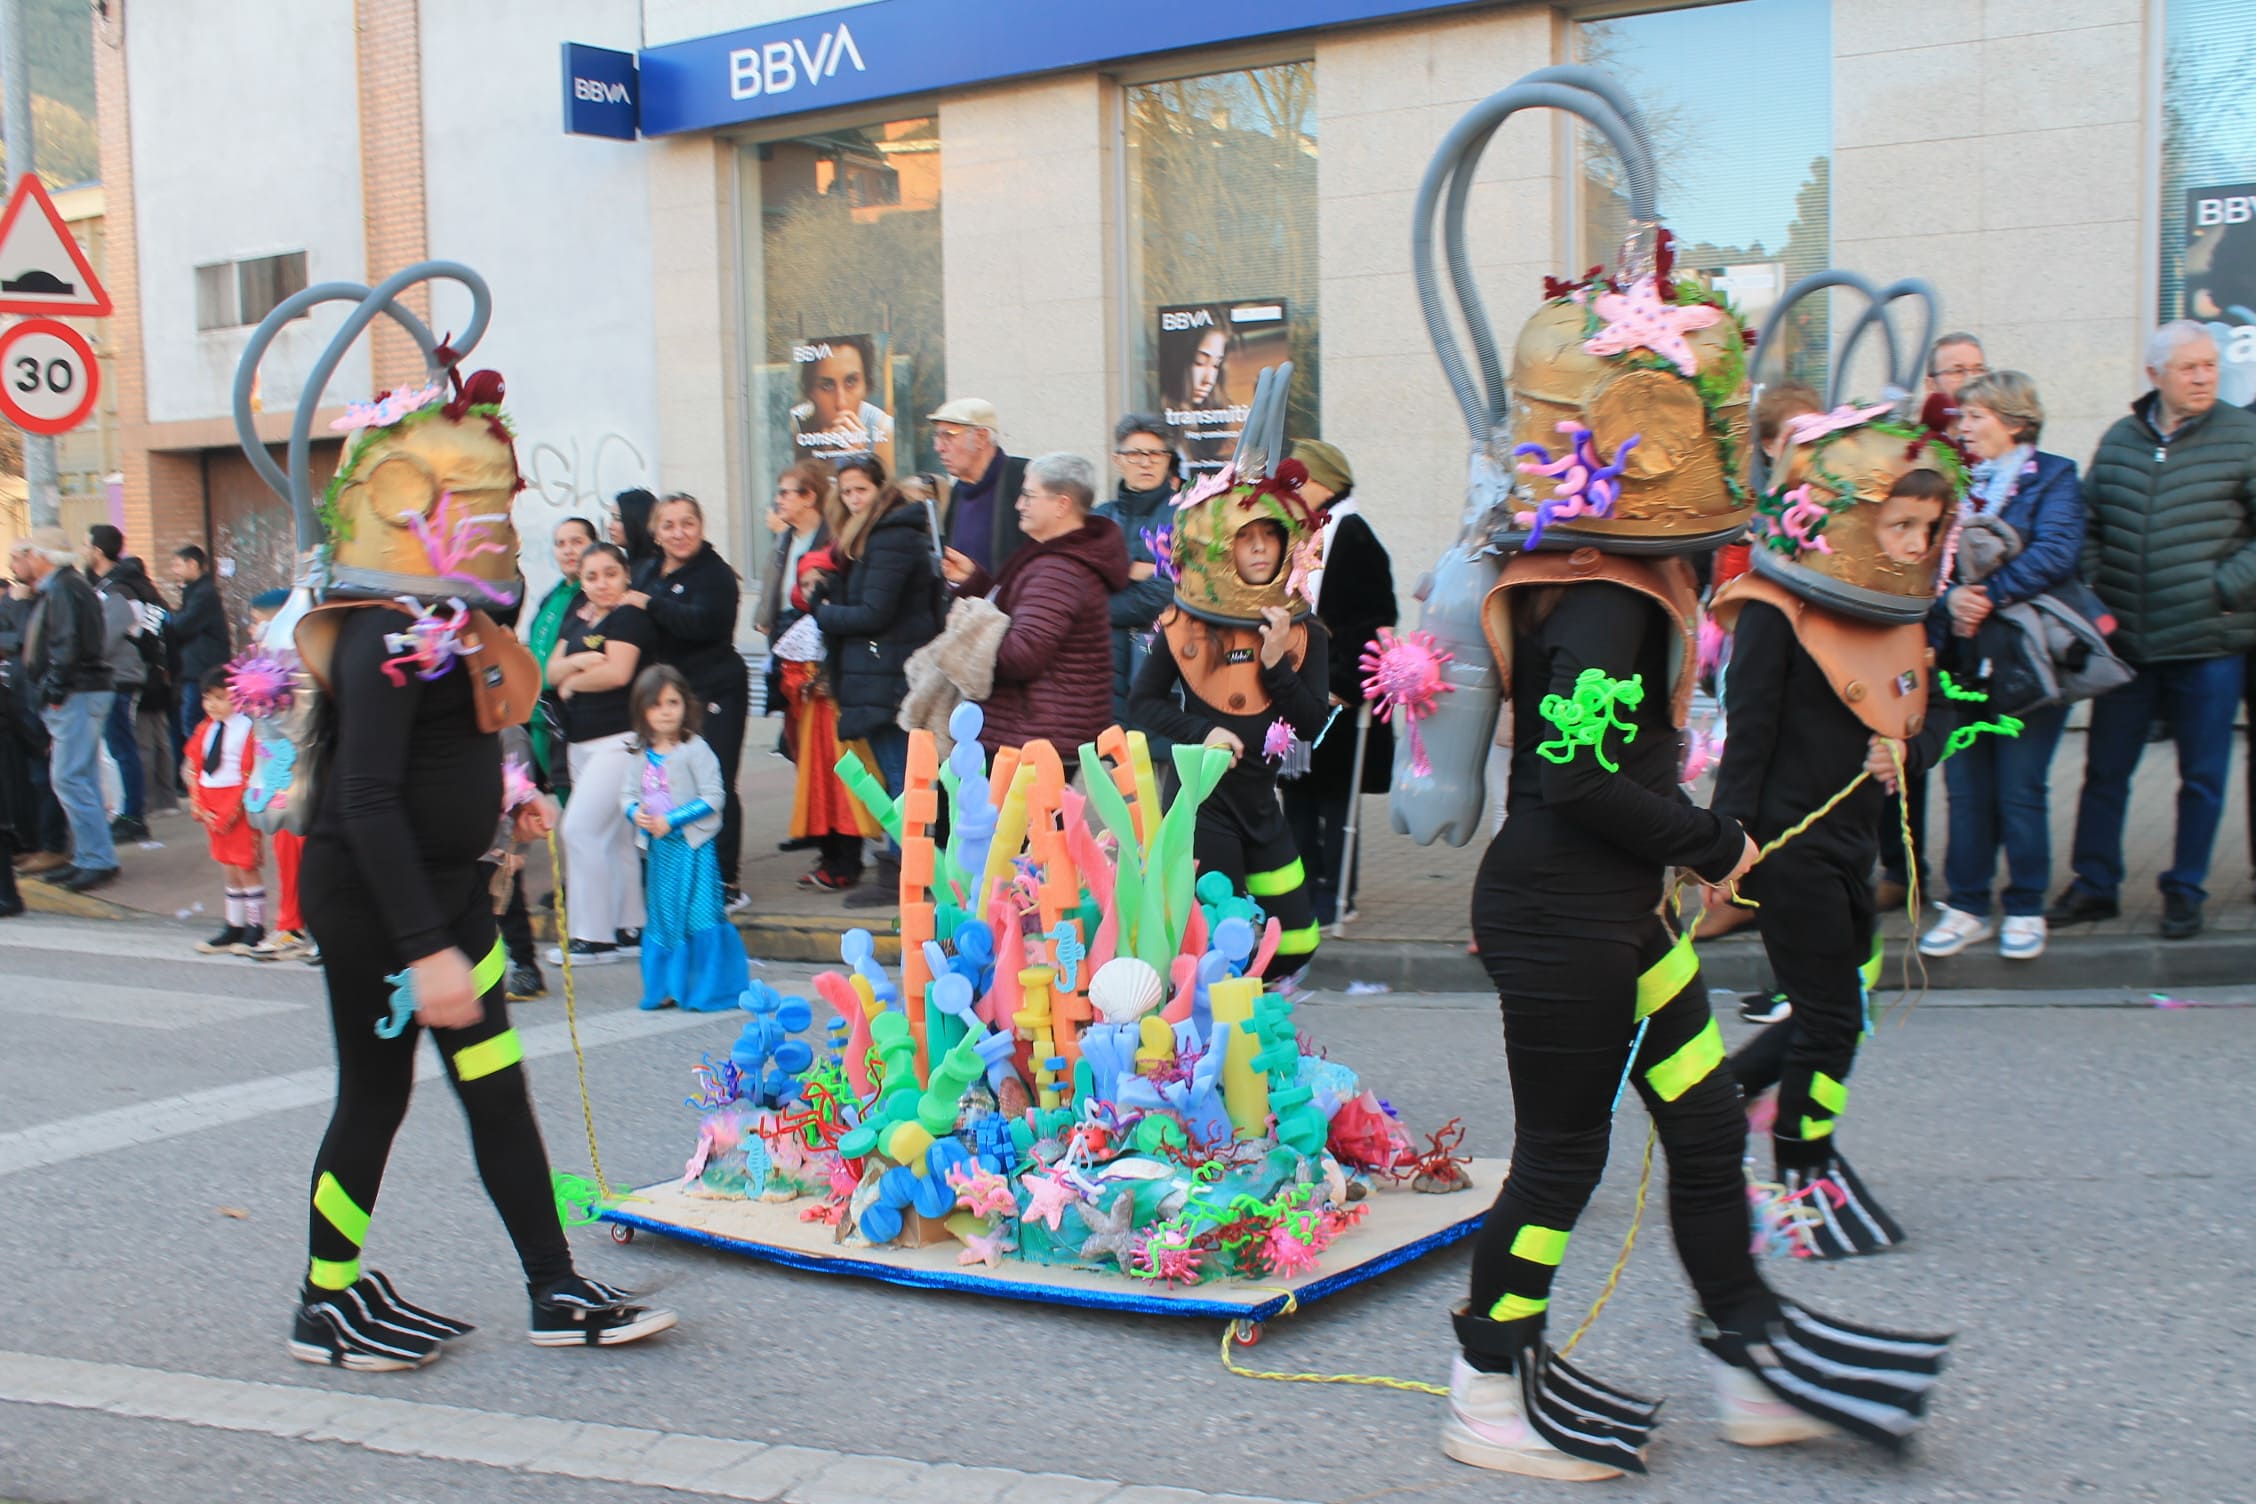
(1257, 485)
(1817, 558)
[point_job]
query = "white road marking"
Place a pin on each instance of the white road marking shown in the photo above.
(540, 1446)
(111, 937)
(137, 1007)
(214, 1107)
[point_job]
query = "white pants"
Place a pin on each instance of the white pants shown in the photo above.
(604, 892)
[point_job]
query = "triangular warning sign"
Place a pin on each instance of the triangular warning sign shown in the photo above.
(42, 270)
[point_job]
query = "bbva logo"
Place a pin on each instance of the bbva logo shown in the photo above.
(599, 92)
(778, 67)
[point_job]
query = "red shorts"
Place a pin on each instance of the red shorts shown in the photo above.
(234, 840)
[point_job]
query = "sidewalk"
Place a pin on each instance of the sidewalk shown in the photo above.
(1413, 905)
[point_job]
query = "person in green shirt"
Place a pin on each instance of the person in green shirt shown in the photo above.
(570, 539)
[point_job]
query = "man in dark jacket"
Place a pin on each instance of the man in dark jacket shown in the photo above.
(130, 653)
(980, 524)
(200, 636)
(66, 654)
(2171, 549)
(1151, 472)
(1053, 667)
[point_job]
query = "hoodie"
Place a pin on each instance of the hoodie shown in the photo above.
(1053, 669)
(635, 508)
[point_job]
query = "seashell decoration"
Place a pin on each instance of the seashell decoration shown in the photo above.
(1125, 989)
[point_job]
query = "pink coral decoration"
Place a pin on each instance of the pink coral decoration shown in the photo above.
(1640, 320)
(1799, 521)
(1403, 674)
(258, 685)
(1808, 428)
(451, 542)
(517, 786)
(1208, 487)
(1583, 486)
(1277, 740)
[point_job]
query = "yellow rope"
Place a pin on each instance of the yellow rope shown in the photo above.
(571, 1011)
(1629, 1243)
(1371, 1381)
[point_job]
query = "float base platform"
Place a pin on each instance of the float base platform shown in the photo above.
(1400, 1226)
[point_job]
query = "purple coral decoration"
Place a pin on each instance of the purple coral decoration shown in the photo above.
(258, 685)
(1584, 486)
(1159, 542)
(451, 542)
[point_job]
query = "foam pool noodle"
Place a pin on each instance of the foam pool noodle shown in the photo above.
(1233, 941)
(1158, 1043)
(1058, 893)
(1272, 935)
(1184, 974)
(1010, 829)
(1003, 1000)
(1001, 773)
(859, 950)
(920, 807)
(974, 959)
(770, 1059)
(1147, 783)
(840, 994)
(952, 1076)
(864, 786)
(1167, 897)
(1128, 873)
(1034, 1025)
(1245, 1090)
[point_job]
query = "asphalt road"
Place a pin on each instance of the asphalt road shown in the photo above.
(2078, 1173)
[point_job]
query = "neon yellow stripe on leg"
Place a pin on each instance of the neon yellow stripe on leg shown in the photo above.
(1665, 978)
(487, 974)
(487, 1056)
(1300, 942)
(1689, 1066)
(331, 1274)
(1540, 1245)
(340, 1211)
(1282, 880)
(1512, 1307)
(1828, 1093)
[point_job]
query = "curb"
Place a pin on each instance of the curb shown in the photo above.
(788, 937)
(46, 898)
(2134, 962)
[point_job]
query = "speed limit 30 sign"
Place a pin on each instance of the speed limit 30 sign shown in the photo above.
(48, 376)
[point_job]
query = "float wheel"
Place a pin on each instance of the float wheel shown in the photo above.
(1246, 1333)
(621, 1233)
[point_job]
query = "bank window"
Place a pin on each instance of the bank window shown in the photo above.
(2209, 182)
(1222, 248)
(233, 293)
(843, 302)
(1747, 192)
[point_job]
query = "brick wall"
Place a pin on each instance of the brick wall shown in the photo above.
(391, 172)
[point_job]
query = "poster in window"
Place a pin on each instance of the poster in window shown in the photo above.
(1210, 355)
(845, 404)
(2220, 281)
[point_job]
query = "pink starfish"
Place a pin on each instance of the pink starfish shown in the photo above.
(984, 1248)
(1047, 1199)
(1639, 320)
(1808, 428)
(1209, 486)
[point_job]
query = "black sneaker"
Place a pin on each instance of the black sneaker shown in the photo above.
(86, 880)
(581, 1312)
(1765, 1007)
(252, 935)
(630, 942)
(367, 1328)
(223, 943)
(2181, 916)
(129, 828)
(524, 983)
(584, 953)
(2081, 906)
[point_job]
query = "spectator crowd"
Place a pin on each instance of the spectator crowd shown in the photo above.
(1021, 584)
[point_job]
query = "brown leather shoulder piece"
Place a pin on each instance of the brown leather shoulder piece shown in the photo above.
(1668, 582)
(1234, 687)
(1880, 672)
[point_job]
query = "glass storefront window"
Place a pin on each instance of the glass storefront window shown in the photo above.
(2209, 182)
(844, 298)
(1222, 248)
(1746, 191)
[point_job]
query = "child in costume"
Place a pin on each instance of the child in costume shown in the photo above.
(1239, 662)
(270, 776)
(1591, 626)
(691, 954)
(217, 767)
(415, 684)
(1829, 676)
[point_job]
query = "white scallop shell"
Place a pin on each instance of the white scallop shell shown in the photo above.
(1125, 989)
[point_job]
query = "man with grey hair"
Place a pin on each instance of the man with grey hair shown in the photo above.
(67, 661)
(2171, 548)
(1053, 667)
(979, 527)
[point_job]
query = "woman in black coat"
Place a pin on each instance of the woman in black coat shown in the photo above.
(890, 603)
(690, 594)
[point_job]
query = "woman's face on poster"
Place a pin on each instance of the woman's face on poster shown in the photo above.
(1206, 366)
(839, 387)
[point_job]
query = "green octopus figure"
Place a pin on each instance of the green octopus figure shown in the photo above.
(1584, 719)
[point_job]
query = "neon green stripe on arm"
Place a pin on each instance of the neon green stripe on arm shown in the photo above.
(340, 1210)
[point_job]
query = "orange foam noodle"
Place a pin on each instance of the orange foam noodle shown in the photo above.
(1044, 757)
(924, 754)
(917, 861)
(919, 808)
(999, 776)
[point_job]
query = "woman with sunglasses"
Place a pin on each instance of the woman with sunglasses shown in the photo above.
(1151, 473)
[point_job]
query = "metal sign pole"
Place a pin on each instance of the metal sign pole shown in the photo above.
(43, 492)
(1354, 818)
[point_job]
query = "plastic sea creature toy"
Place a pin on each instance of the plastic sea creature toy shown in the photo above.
(1113, 1231)
(402, 984)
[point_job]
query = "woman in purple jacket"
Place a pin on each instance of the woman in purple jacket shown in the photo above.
(1998, 790)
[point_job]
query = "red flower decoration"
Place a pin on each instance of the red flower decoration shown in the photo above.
(1284, 485)
(1558, 287)
(1664, 261)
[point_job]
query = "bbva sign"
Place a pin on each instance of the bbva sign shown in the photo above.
(779, 67)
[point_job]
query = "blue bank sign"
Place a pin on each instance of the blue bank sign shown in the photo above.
(892, 47)
(599, 92)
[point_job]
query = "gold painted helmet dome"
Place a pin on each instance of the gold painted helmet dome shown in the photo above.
(1249, 489)
(1816, 530)
(1629, 417)
(421, 505)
